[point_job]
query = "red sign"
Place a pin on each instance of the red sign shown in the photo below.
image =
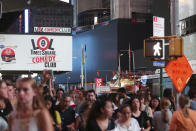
(98, 82)
(154, 18)
(179, 71)
(133, 88)
(8, 55)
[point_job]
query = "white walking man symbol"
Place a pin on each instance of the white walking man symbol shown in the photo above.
(157, 49)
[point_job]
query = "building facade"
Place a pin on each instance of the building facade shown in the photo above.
(186, 27)
(125, 9)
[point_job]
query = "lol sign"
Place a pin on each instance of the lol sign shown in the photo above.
(179, 71)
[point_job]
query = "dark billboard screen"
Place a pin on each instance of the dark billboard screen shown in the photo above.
(101, 50)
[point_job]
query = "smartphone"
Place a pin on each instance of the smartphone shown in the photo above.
(51, 73)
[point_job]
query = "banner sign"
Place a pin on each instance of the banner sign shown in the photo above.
(102, 89)
(53, 30)
(35, 53)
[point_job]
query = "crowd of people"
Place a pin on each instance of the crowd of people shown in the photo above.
(28, 106)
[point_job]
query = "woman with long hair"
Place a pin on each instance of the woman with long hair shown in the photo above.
(145, 107)
(50, 105)
(82, 117)
(5, 105)
(169, 94)
(183, 119)
(140, 116)
(30, 113)
(155, 104)
(114, 97)
(99, 116)
(11, 93)
(125, 121)
(162, 118)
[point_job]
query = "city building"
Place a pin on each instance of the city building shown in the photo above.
(107, 28)
(185, 26)
(59, 16)
(107, 31)
(56, 19)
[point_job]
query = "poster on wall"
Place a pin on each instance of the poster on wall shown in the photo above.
(35, 53)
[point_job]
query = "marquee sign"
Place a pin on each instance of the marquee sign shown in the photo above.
(64, 30)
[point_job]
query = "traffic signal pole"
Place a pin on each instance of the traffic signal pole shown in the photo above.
(161, 82)
(173, 17)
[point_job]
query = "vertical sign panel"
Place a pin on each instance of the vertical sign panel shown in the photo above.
(98, 82)
(159, 29)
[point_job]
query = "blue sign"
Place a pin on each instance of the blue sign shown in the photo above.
(159, 63)
(2, 46)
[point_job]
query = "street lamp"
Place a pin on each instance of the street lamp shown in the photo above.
(119, 69)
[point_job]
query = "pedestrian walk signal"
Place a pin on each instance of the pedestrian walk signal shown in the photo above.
(153, 48)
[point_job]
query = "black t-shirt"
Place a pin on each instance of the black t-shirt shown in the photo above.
(7, 110)
(92, 125)
(172, 107)
(67, 117)
(142, 119)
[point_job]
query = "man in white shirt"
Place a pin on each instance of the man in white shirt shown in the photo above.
(122, 95)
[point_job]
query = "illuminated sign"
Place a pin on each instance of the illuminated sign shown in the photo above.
(53, 30)
(67, 1)
(153, 48)
(35, 53)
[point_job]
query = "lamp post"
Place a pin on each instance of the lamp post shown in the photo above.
(133, 54)
(119, 69)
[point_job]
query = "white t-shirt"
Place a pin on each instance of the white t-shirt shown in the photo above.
(114, 106)
(122, 99)
(3, 124)
(134, 126)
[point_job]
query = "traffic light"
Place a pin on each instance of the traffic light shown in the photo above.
(176, 47)
(153, 48)
(98, 74)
